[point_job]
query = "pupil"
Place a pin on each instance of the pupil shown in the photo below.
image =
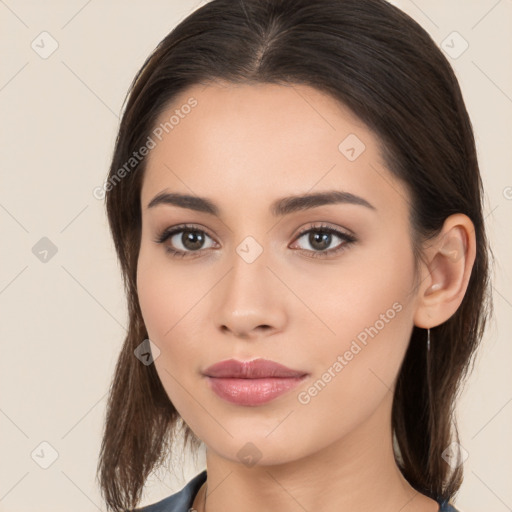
(320, 240)
(192, 240)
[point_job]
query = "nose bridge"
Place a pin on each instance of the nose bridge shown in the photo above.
(248, 297)
(247, 283)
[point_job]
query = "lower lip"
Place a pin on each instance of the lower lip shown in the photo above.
(252, 391)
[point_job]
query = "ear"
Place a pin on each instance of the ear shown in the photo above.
(445, 271)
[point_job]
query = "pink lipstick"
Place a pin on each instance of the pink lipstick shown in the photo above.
(253, 382)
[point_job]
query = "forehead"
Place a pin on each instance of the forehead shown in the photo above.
(256, 142)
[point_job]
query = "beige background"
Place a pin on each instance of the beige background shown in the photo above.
(63, 320)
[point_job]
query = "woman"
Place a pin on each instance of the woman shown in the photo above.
(295, 201)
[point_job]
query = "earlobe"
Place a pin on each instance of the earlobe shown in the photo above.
(448, 263)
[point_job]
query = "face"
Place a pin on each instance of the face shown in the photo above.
(325, 288)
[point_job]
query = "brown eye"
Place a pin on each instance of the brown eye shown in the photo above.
(183, 240)
(320, 238)
(192, 240)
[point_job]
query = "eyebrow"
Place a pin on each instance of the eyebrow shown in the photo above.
(280, 207)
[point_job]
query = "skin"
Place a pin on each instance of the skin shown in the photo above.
(243, 147)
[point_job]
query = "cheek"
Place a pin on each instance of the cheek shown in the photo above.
(355, 366)
(165, 294)
(166, 299)
(364, 314)
(352, 295)
(172, 302)
(154, 300)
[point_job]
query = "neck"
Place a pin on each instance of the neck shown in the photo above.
(358, 472)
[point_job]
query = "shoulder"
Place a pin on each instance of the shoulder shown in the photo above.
(180, 501)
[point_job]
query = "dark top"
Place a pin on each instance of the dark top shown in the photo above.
(182, 500)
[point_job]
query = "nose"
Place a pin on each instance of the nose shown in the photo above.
(249, 301)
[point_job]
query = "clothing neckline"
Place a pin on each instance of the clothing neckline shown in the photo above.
(196, 483)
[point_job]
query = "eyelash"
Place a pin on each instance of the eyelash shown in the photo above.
(345, 237)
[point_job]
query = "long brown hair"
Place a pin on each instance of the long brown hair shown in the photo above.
(381, 64)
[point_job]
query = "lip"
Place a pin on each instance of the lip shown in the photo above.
(252, 383)
(255, 369)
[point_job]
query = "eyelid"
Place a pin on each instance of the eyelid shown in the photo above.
(323, 225)
(170, 231)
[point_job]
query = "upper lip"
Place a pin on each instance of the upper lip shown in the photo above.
(255, 369)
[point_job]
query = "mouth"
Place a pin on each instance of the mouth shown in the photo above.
(252, 383)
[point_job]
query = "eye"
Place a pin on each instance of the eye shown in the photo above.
(186, 240)
(321, 237)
